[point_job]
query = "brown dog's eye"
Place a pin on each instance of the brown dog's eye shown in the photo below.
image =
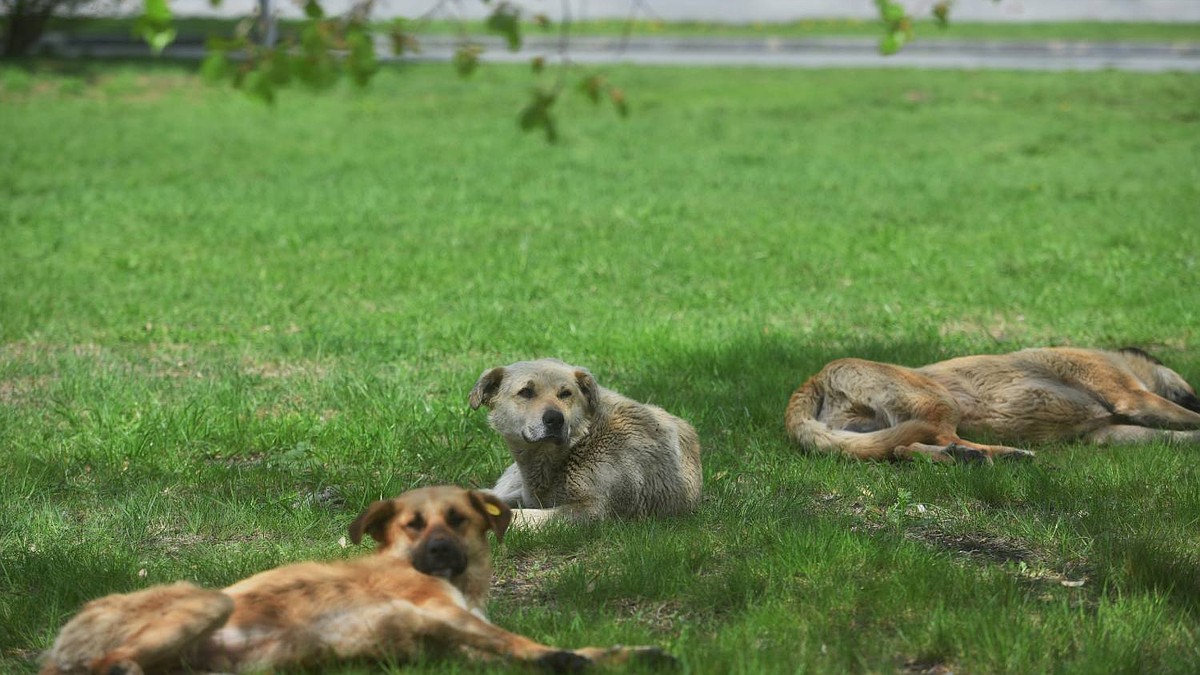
(454, 518)
(526, 392)
(417, 523)
(564, 394)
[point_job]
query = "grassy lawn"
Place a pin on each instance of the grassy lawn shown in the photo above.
(225, 329)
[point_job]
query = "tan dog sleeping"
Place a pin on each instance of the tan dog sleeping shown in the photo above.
(424, 589)
(873, 410)
(584, 452)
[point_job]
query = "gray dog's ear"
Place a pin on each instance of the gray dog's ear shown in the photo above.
(372, 521)
(588, 387)
(486, 388)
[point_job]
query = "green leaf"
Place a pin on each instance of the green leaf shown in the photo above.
(277, 67)
(160, 40)
(259, 86)
(314, 39)
(618, 100)
(537, 115)
(313, 10)
(591, 87)
(941, 13)
(506, 20)
(157, 11)
(466, 59)
(155, 25)
(403, 41)
(889, 44)
(215, 66)
(361, 60)
(893, 13)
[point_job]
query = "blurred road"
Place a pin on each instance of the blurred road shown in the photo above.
(769, 52)
(856, 53)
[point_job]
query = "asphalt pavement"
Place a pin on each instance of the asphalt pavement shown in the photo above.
(854, 53)
(816, 52)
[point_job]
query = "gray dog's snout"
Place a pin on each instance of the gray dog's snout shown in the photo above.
(553, 419)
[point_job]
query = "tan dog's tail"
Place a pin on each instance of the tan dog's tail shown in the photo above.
(804, 426)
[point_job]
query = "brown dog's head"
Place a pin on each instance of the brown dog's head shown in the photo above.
(533, 402)
(441, 530)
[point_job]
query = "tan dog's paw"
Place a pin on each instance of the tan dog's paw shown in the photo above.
(962, 453)
(646, 656)
(1017, 455)
(563, 662)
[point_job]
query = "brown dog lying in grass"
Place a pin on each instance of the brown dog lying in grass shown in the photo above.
(425, 588)
(873, 410)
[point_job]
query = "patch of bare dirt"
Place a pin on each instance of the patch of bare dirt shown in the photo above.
(238, 461)
(22, 390)
(522, 580)
(998, 327)
(270, 370)
(665, 617)
(933, 527)
(975, 545)
(926, 667)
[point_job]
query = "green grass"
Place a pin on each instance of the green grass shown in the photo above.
(924, 29)
(225, 328)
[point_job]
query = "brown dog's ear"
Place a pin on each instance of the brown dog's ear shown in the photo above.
(485, 389)
(588, 387)
(497, 512)
(372, 521)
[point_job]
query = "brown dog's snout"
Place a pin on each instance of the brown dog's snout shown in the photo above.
(441, 554)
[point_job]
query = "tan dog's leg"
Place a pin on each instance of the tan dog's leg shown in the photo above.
(1147, 409)
(1128, 434)
(455, 626)
(960, 450)
(136, 631)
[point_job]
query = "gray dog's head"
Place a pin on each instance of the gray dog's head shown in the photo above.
(533, 402)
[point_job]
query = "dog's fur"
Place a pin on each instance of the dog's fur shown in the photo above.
(873, 410)
(584, 452)
(424, 589)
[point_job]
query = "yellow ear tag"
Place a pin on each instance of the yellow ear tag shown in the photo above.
(492, 509)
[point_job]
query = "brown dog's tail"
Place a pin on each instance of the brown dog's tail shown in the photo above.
(806, 428)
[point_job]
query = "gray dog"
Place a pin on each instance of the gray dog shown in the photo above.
(583, 451)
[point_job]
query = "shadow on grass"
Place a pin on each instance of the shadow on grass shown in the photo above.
(751, 379)
(1153, 567)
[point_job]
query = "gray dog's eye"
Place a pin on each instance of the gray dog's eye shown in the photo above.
(526, 392)
(564, 394)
